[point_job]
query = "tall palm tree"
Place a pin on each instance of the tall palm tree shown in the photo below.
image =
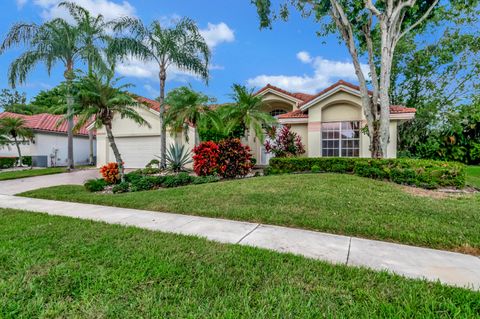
(248, 111)
(53, 42)
(181, 46)
(186, 107)
(101, 98)
(16, 128)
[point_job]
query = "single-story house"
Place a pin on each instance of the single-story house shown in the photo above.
(329, 124)
(138, 144)
(49, 144)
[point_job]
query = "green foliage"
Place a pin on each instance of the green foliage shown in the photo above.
(218, 125)
(51, 101)
(315, 169)
(178, 157)
(186, 107)
(177, 180)
(122, 187)
(421, 173)
(8, 162)
(95, 185)
(146, 183)
(152, 163)
(205, 179)
(13, 101)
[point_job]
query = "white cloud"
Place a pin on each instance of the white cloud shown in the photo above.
(152, 92)
(325, 73)
(304, 56)
(21, 3)
(215, 34)
(109, 9)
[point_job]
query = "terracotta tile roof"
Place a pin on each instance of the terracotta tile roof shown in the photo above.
(153, 104)
(394, 109)
(398, 109)
(46, 122)
(298, 96)
(297, 114)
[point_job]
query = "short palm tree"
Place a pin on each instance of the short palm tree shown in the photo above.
(248, 111)
(16, 128)
(101, 98)
(186, 107)
(181, 46)
(53, 42)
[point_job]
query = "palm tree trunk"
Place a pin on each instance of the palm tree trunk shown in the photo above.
(197, 136)
(69, 77)
(19, 152)
(116, 153)
(163, 129)
(90, 140)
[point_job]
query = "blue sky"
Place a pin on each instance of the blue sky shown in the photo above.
(290, 55)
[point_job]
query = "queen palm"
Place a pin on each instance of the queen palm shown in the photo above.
(51, 43)
(16, 128)
(248, 111)
(101, 98)
(181, 46)
(186, 107)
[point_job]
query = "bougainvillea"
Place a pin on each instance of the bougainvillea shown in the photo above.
(205, 160)
(110, 173)
(283, 142)
(235, 158)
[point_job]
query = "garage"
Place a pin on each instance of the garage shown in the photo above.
(137, 151)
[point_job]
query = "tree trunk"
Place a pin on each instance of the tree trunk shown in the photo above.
(90, 140)
(197, 136)
(116, 153)
(69, 77)
(163, 129)
(18, 149)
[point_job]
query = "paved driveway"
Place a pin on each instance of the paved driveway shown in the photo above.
(15, 186)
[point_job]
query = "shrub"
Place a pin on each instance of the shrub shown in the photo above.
(315, 169)
(421, 173)
(205, 160)
(7, 162)
(177, 180)
(95, 185)
(146, 183)
(27, 160)
(133, 176)
(234, 159)
(123, 187)
(152, 163)
(283, 142)
(110, 173)
(205, 179)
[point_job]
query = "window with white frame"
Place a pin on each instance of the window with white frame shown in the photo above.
(277, 112)
(341, 139)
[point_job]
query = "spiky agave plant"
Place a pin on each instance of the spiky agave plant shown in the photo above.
(178, 158)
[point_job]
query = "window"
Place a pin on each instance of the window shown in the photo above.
(277, 112)
(341, 139)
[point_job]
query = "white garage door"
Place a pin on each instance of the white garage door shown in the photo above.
(137, 151)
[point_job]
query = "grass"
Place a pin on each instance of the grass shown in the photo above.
(473, 176)
(59, 267)
(30, 173)
(334, 203)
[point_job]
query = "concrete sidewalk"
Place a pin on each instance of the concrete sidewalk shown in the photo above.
(414, 262)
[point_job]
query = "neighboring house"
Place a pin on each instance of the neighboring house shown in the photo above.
(329, 124)
(49, 144)
(138, 144)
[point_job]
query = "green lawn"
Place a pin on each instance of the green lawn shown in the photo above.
(473, 176)
(334, 203)
(56, 267)
(30, 173)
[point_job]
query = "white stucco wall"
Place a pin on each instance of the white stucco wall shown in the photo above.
(46, 142)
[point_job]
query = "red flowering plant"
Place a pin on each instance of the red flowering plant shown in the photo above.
(205, 160)
(235, 159)
(110, 173)
(282, 142)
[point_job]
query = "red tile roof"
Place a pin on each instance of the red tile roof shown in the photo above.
(46, 123)
(394, 109)
(153, 104)
(297, 114)
(298, 96)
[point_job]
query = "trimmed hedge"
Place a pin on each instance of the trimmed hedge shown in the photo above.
(9, 162)
(422, 173)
